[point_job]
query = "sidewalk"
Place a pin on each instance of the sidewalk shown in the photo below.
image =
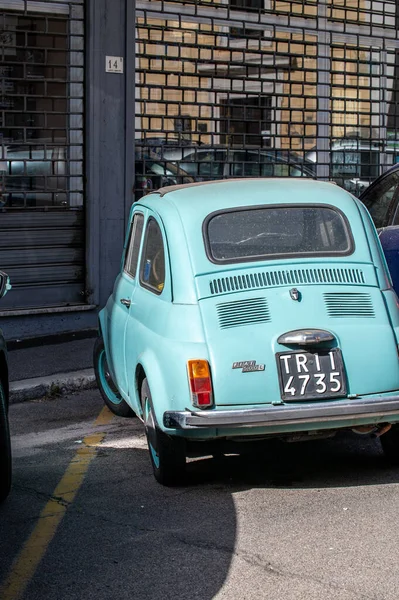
(51, 368)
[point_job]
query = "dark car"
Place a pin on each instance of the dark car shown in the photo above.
(5, 445)
(354, 165)
(217, 162)
(152, 174)
(33, 176)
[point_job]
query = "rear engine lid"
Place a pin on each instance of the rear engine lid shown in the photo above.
(246, 311)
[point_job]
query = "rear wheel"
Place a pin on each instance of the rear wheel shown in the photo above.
(5, 448)
(107, 387)
(167, 453)
(390, 444)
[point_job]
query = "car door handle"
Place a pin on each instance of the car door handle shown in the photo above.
(126, 302)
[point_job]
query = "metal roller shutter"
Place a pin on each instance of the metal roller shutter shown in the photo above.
(249, 88)
(42, 225)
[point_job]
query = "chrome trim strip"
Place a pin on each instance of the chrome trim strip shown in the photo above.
(286, 414)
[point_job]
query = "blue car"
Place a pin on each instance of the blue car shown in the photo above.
(382, 201)
(5, 445)
(250, 309)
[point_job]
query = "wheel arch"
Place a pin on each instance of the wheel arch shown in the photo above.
(149, 367)
(139, 378)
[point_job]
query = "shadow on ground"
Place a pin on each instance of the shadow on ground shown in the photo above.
(345, 460)
(127, 537)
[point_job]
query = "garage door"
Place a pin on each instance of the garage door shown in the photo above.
(42, 242)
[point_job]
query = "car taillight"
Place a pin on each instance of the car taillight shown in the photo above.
(199, 376)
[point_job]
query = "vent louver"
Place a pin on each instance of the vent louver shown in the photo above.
(349, 305)
(264, 279)
(243, 312)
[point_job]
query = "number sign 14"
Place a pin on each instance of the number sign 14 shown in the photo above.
(114, 64)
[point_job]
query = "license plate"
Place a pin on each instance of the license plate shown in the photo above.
(311, 375)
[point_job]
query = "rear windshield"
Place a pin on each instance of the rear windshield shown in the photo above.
(254, 234)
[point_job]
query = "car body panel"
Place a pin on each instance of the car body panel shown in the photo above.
(5, 446)
(4, 365)
(161, 332)
(258, 341)
(389, 238)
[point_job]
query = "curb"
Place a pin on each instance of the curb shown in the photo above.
(51, 385)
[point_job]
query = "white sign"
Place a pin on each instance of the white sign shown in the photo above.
(114, 64)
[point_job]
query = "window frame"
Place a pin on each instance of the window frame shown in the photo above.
(244, 33)
(263, 257)
(144, 284)
(128, 247)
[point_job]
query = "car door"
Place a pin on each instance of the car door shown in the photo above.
(381, 198)
(151, 301)
(122, 298)
(382, 201)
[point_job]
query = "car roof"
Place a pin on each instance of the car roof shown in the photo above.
(197, 200)
(183, 210)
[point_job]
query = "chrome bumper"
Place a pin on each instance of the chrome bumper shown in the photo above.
(285, 414)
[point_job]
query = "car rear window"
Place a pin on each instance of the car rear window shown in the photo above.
(255, 234)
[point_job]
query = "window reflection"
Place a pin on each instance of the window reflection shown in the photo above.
(35, 164)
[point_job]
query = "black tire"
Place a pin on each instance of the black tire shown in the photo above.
(390, 444)
(107, 387)
(167, 453)
(5, 448)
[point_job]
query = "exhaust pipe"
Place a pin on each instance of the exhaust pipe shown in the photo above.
(376, 431)
(383, 429)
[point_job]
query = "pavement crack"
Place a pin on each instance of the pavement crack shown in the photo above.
(40, 495)
(255, 560)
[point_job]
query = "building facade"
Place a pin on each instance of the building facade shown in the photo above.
(66, 162)
(103, 100)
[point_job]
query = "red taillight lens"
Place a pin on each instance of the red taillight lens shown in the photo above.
(199, 376)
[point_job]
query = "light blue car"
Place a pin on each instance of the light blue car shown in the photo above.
(247, 309)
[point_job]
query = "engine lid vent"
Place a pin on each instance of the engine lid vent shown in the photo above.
(264, 279)
(343, 305)
(243, 312)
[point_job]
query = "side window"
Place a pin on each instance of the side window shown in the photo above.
(132, 255)
(244, 164)
(204, 164)
(152, 270)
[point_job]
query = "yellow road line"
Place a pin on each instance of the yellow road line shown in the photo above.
(35, 547)
(104, 417)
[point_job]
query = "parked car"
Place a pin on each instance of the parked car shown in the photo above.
(382, 201)
(37, 177)
(34, 176)
(355, 163)
(151, 174)
(157, 147)
(5, 445)
(217, 162)
(248, 309)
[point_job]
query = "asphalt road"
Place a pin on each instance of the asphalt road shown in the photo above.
(326, 528)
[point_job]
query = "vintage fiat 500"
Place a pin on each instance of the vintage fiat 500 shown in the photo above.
(250, 308)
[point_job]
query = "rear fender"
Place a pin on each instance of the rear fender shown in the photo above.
(156, 382)
(168, 389)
